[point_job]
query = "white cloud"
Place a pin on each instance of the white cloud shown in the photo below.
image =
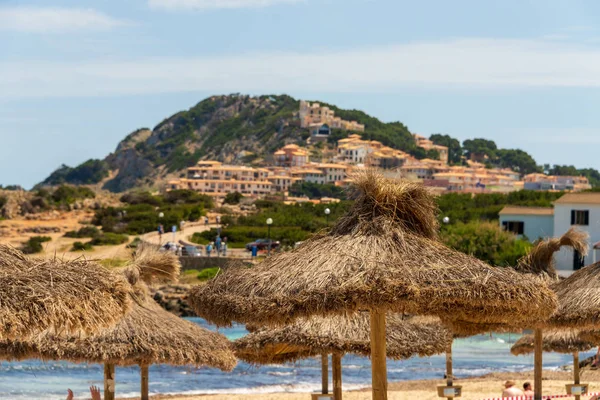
(459, 63)
(54, 19)
(213, 4)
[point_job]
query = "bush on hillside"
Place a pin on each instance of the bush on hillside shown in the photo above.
(80, 246)
(316, 191)
(486, 241)
(85, 232)
(233, 198)
(34, 244)
(109, 239)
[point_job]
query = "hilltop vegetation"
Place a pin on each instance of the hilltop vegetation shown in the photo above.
(242, 129)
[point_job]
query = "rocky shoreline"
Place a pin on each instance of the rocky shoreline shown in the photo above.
(173, 298)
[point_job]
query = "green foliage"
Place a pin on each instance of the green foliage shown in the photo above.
(109, 239)
(34, 244)
(570, 170)
(480, 147)
(455, 150)
(463, 207)
(3, 201)
(486, 241)
(85, 232)
(291, 223)
(517, 160)
(134, 243)
(11, 187)
(80, 246)
(65, 194)
(233, 198)
(316, 190)
(432, 154)
(208, 273)
(183, 196)
(90, 172)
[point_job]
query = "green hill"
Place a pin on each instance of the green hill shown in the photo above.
(239, 129)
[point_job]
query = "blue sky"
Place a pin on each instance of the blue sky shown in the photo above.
(77, 76)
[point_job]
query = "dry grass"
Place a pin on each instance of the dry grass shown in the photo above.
(540, 260)
(579, 295)
(154, 265)
(65, 297)
(557, 341)
(406, 337)
(382, 255)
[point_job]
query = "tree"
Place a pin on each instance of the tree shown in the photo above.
(233, 198)
(479, 147)
(517, 160)
(486, 241)
(455, 151)
(433, 154)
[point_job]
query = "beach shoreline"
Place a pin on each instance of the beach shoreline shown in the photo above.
(475, 388)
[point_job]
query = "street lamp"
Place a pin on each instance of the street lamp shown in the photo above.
(269, 223)
(327, 212)
(446, 220)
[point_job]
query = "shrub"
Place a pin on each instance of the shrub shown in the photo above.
(69, 194)
(134, 243)
(80, 246)
(486, 241)
(208, 273)
(3, 201)
(233, 198)
(85, 232)
(34, 244)
(109, 238)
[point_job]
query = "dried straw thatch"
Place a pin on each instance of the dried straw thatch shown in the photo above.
(148, 335)
(406, 337)
(65, 297)
(383, 254)
(579, 299)
(540, 260)
(563, 341)
(155, 265)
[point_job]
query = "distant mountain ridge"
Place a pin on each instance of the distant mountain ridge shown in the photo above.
(226, 126)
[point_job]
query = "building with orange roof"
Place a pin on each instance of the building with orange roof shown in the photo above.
(427, 144)
(290, 156)
(538, 181)
(315, 114)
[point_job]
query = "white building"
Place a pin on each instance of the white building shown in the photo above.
(583, 211)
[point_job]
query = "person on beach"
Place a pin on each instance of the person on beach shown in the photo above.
(510, 390)
(527, 390)
(93, 390)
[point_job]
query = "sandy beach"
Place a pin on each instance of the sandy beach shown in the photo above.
(484, 387)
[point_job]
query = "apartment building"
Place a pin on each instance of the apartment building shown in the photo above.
(291, 156)
(554, 182)
(315, 114)
(427, 144)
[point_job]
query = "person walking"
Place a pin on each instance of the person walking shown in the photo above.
(218, 245)
(161, 230)
(209, 248)
(181, 225)
(224, 248)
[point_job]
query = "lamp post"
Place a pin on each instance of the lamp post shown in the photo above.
(327, 212)
(446, 220)
(269, 223)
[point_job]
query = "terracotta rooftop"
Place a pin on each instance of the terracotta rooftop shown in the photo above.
(579, 198)
(519, 210)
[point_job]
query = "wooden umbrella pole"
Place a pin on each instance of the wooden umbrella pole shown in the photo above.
(324, 373)
(576, 372)
(378, 355)
(144, 389)
(449, 377)
(109, 382)
(336, 372)
(537, 365)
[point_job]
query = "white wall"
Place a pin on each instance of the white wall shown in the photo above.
(562, 223)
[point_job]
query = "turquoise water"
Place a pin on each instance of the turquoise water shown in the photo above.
(50, 380)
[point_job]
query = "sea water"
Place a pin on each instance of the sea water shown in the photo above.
(472, 356)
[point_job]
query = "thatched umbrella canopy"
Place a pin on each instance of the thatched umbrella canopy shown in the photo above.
(147, 335)
(557, 341)
(383, 255)
(406, 337)
(66, 297)
(338, 335)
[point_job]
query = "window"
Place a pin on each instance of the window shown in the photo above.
(516, 227)
(580, 217)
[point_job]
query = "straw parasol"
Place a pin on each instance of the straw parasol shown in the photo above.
(66, 297)
(383, 255)
(558, 341)
(147, 335)
(338, 335)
